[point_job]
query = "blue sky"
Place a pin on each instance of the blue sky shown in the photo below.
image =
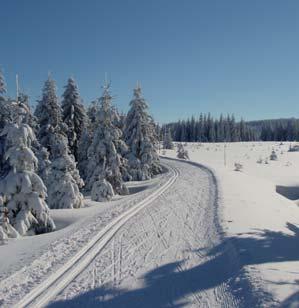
(190, 56)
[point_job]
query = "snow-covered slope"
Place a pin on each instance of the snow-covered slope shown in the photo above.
(262, 223)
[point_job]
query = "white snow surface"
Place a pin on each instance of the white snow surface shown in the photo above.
(27, 262)
(163, 257)
(260, 212)
(200, 235)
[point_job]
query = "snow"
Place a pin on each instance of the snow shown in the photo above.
(26, 262)
(262, 222)
(229, 240)
(160, 256)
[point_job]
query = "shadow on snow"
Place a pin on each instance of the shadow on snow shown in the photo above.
(225, 265)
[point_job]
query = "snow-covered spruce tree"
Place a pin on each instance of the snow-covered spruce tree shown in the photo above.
(5, 115)
(104, 162)
(6, 229)
(73, 115)
(120, 145)
(141, 139)
(64, 179)
(22, 190)
(2, 84)
(85, 139)
(83, 145)
(92, 112)
(28, 117)
(167, 140)
(49, 115)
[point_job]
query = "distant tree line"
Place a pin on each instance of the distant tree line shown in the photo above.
(205, 128)
(276, 130)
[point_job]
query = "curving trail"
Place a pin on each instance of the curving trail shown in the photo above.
(55, 283)
(161, 256)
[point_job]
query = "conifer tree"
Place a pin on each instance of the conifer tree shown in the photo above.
(2, 84)
(73, 115)
(64, 180)
(83, 145)
(104, 162)
(167, 140)
(23, 191)
(141, 139)
(49, 115)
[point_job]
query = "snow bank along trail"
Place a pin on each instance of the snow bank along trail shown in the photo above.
(41, 295)
(161, 256)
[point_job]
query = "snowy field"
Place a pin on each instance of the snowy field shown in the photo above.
(260, 211)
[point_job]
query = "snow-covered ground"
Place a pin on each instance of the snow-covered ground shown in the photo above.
(28, 261)
(184, 238)
(260, 211)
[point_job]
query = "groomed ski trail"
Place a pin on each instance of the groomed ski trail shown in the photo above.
(55, 283)
(160, 257)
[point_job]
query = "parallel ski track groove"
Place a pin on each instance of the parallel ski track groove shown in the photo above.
(55, 283)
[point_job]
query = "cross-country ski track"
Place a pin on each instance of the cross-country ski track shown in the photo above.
(155, 254)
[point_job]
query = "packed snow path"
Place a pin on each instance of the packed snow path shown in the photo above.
(159, 258)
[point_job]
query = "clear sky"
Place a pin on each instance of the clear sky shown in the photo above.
(190, 56)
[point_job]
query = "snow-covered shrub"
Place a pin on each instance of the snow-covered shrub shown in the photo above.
(64, 180)
(22, 189)
(104, 161)
(102, 190)
(140, 136)
(273, 155)
(182, 153)
(238, 167)
(294, 148)
(260, 161)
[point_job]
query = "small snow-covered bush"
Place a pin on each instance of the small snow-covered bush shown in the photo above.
(238, 167)
(273, 155)
(182, 153)
(260, 161)
(102, 190)
(294, 148)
